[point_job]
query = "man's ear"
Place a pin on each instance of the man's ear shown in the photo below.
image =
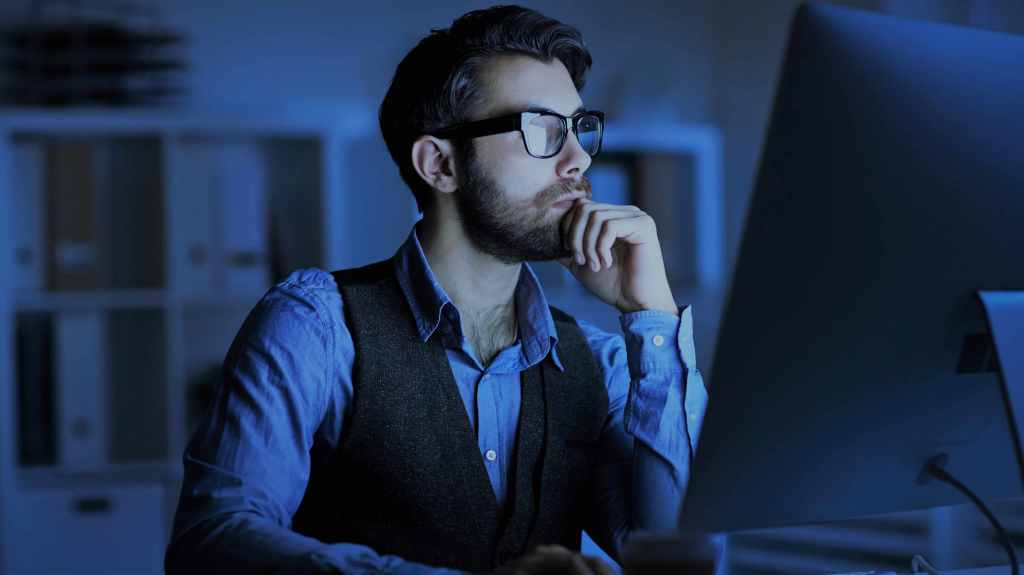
(434, 161)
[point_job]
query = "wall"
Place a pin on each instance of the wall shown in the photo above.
(699, 60)
(652, 62)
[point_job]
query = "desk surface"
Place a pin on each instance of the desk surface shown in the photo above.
(998, 570)
(672, 548)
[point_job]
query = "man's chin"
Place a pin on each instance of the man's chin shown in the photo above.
(551, 255)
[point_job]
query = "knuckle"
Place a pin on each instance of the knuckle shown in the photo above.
(611, 226)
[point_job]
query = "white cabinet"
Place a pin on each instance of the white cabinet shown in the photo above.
(115, 530)
(132, 246)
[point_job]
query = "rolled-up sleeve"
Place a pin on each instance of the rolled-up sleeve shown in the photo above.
(247, 467)
(286, 384)
(657, 401)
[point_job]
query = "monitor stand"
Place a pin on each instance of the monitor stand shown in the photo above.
(1004, 311)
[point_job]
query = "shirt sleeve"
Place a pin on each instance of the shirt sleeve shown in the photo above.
(656, 407)
(286, 381)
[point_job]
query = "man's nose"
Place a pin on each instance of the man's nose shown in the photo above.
(573, 160)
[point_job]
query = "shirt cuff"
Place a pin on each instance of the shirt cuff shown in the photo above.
(658, 342)
(659, 349)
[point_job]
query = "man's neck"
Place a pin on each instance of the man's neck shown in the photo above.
(477, 283)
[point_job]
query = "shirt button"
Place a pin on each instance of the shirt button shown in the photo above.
(491, 455)
(658, 340)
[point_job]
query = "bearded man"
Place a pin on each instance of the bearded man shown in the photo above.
(432, 413)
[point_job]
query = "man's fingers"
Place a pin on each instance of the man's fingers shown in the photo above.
(580, 566)
(554, 549)
(565, 225)
(598, 566)
(602, 229)
(582, 229)
(542, 560)
(591, 230)
(545, 559)
(574, 235)
(612, 229)
(605, 240)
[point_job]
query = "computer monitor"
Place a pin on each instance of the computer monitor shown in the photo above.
(851, 349)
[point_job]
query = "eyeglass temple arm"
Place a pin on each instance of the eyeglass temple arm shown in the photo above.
(481, 128)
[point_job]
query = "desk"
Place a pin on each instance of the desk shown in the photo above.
(1001, 570)
(664, 553)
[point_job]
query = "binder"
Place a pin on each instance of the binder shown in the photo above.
(241, 181)
(83, 412)
(220, 217)
(70, 195)
(129, 219)
(28, 161)
(34, 369)
(192, 205)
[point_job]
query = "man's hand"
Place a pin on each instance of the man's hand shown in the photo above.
(555, 559)
(617, 256)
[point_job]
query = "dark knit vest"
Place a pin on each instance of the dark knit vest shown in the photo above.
(407, 477)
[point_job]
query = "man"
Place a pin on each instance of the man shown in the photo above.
(431, 413)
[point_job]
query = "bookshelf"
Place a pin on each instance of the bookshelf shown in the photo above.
(106, 351)
(104, 348)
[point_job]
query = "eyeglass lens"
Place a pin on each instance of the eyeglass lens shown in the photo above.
(545, 134)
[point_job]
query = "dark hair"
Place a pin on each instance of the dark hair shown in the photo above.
(437, 84)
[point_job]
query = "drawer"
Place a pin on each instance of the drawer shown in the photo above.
(116, 530)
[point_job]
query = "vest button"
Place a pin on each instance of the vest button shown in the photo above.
(491, 455)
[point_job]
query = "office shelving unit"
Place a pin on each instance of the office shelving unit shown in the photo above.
(94, 424)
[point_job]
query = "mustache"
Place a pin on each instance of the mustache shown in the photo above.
(558, 191)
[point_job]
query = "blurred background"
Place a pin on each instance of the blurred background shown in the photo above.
(163, 163)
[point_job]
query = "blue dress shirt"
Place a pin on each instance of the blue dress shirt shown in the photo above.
(288, 385)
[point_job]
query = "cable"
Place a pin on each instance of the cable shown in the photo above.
(935, 468)
(921, 565)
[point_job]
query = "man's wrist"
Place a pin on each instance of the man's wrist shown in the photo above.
(667, 306)
(671, 308)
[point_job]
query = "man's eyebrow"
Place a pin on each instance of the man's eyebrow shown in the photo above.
(579, 109)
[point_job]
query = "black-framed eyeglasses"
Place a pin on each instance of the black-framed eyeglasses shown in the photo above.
(544, 132)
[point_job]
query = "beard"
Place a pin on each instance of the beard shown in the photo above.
(511, 232)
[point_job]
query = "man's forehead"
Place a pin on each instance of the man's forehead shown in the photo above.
(517, 83)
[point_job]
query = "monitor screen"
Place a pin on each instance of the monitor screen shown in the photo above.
(853, 346)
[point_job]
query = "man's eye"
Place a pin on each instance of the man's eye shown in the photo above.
(535, 131)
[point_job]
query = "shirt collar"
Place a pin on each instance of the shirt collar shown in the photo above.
(427, 300)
